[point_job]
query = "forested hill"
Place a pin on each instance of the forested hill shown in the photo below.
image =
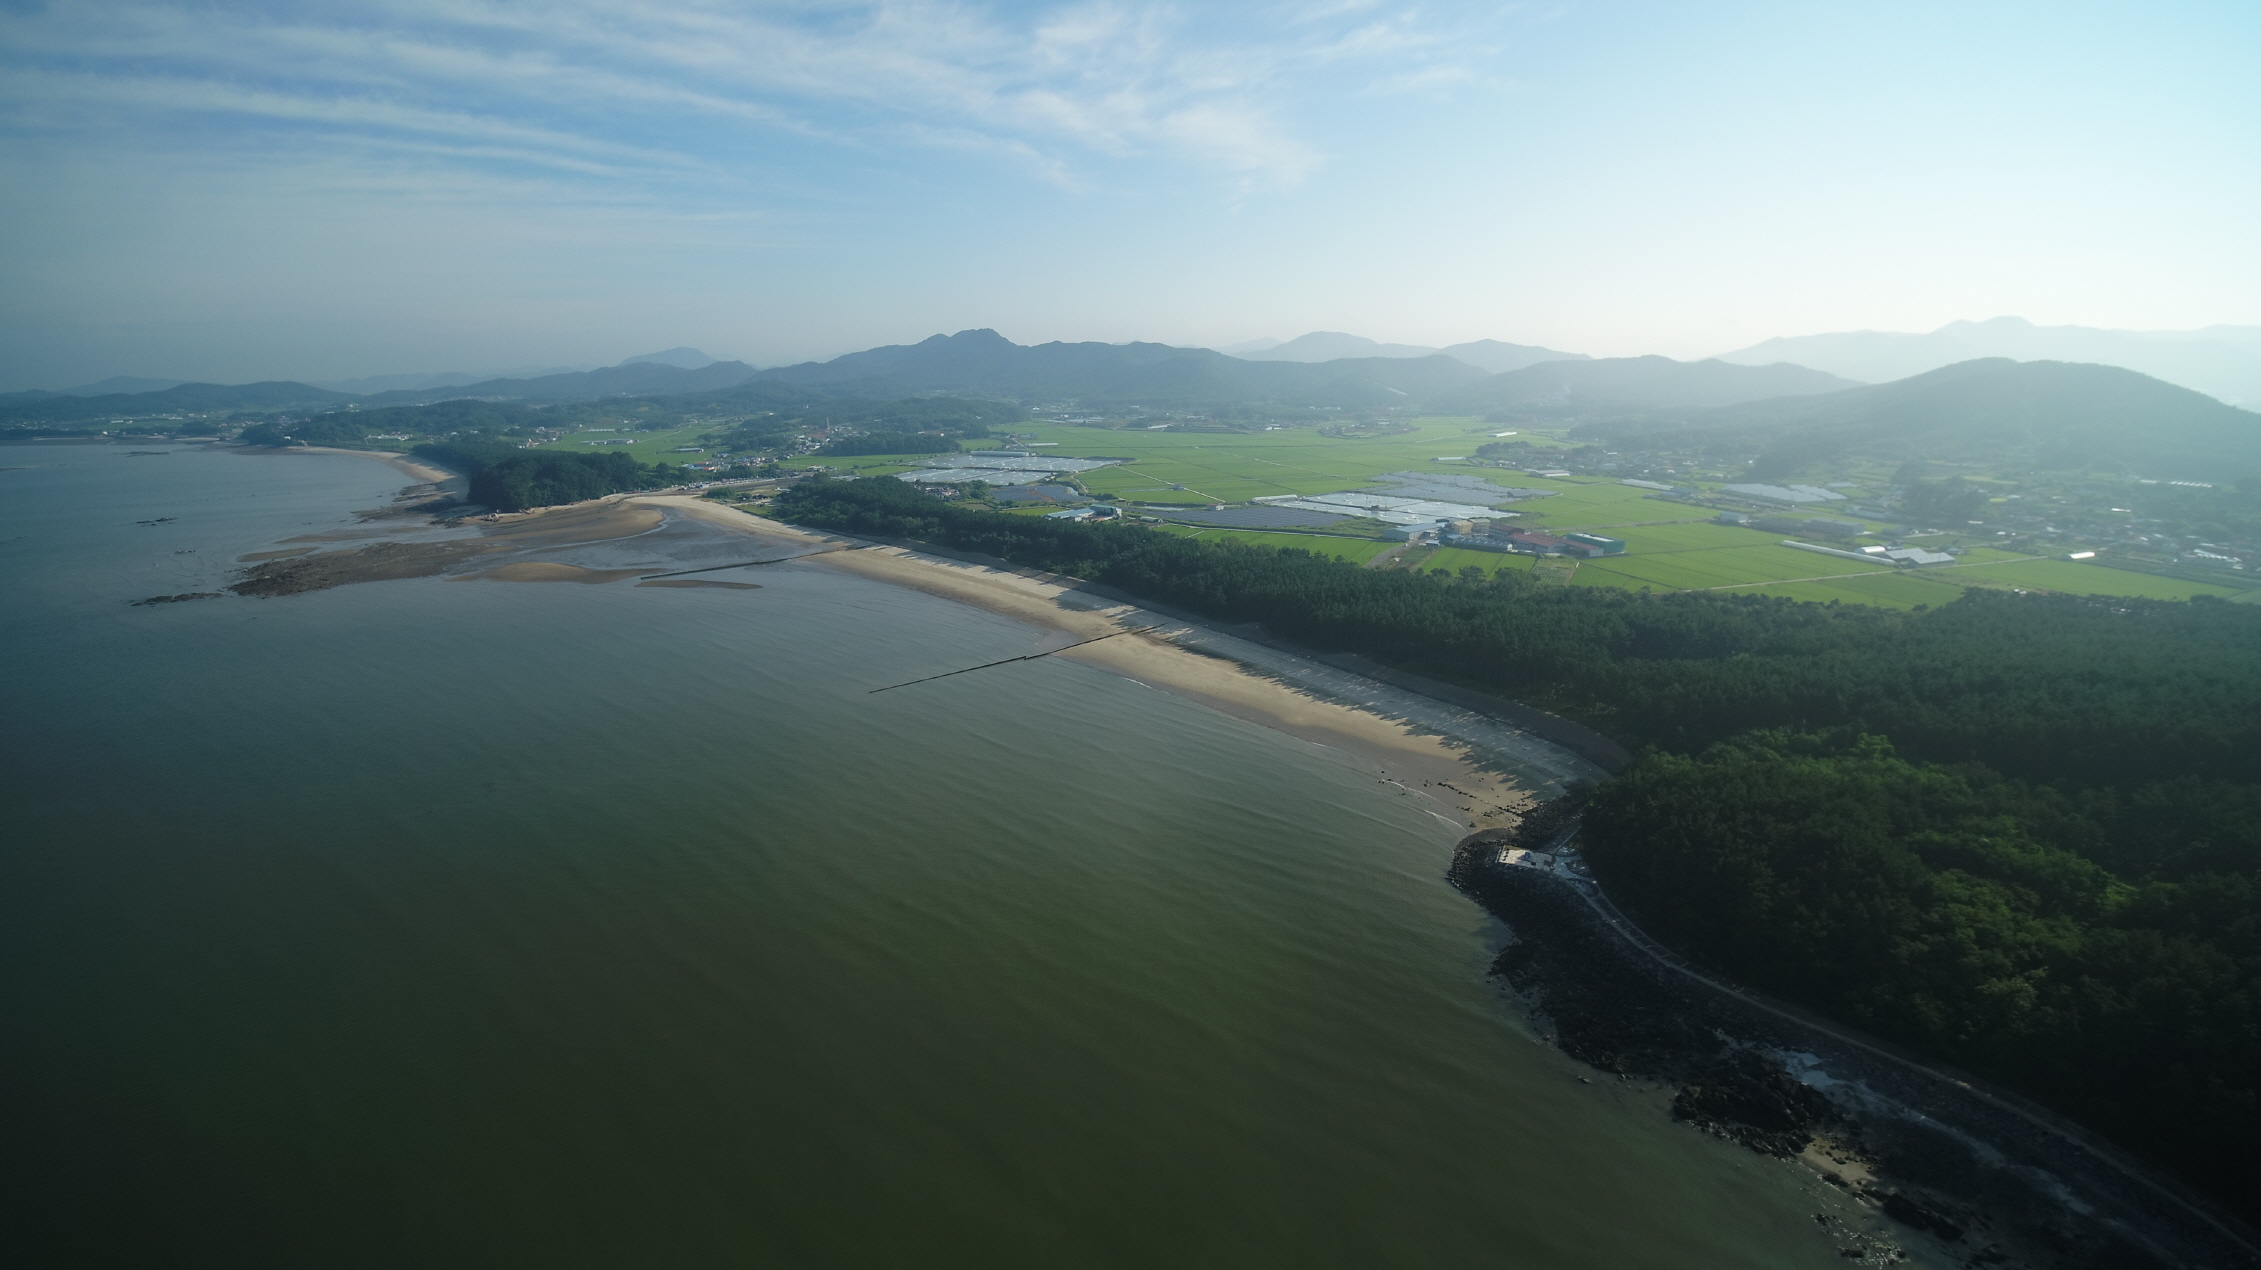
(984, 363)
(1612, 386)
(510, 479)
(641, 379)
(2064, 414)
(183, 398)
(2021, 832)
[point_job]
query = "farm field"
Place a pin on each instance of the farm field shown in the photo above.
(1717, 567)
(1702, 535)
(1355, 550)
(2074, 578)
(1582, 503)
(1454, 559)
(1671, 546)
(1904, 590)
(1228, 468)
(649, 447)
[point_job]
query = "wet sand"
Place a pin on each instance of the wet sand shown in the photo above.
(1470, 773)
(424, 472)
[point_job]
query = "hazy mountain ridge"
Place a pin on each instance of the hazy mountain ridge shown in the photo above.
(2055, 414)
(273, 394)
(1620, 385)
(1490, 356)
(416, 380)
(983, 362)
(2221, 361)
(1790, 413)
(680, 357)
(641, 379)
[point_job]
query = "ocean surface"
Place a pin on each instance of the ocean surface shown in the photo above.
(433, 923)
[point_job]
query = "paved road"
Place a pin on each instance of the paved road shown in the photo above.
(2073, 1137)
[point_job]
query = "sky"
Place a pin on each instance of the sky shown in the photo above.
(237, 191)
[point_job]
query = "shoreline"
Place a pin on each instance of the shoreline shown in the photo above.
(425, 473)
(1468, 768)
(1969, 1172)
(1470, 771)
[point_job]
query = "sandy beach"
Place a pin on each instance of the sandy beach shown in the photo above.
(1467, 770)
(1470, 772)
(421, 471)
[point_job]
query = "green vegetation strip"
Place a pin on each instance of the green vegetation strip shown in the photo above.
(2019, 832)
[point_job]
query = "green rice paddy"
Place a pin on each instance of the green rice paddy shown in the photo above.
(1355, 550)
(1671, 546)
(2077, 578)
(649, 447)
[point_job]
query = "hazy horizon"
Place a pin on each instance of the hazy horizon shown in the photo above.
(374, 188)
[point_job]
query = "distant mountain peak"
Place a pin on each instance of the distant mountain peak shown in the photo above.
(972, 337)
(122, 384)
(2222, 362)
(683, 358)
(1327, 346)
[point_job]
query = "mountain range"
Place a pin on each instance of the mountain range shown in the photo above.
(2051, 414)
(1622, 385)
(984, 363)
(2220, 361)
(2047, 411)
(1493, 356)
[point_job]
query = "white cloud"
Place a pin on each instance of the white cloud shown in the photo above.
(568, 83)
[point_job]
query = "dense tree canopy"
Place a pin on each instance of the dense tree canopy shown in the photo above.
(510, 479)
(2020, 831)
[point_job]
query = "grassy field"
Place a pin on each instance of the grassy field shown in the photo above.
(649, 447)
(1718, 567)
(1672, 546)
(1454, 559)
(1356, 550)
(1905, 590)
(2074, 578)
(1233, 468)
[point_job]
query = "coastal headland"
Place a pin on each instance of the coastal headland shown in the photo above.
(1973, 1174)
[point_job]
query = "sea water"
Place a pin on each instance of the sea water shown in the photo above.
(435, 923)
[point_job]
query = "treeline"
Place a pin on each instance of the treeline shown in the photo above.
(892, 443)
(943, 417)
(352, 427)
(2097, 947)
(2052, 851)
(1948, 502)
(510, 479)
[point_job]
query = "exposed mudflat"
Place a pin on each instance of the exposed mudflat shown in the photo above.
(378, 562)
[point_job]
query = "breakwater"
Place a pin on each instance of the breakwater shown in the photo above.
(1985, 1176)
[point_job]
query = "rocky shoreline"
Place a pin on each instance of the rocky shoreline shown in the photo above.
(1969, 1173)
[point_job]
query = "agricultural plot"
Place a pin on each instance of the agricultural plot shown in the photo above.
(1583, 503)
(1671, 546)
(1454, 559)
(2074, 578)
(1904, 590)
(1229, 468)
(1696, 536)
(1356, 550)
(1718, 567)
(649, 447)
